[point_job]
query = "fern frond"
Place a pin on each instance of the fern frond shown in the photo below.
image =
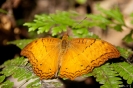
(107, 76)
(113, 13)
(125, 70)
(98, 20)
(57, 22)
(7, 84)
(35, 84)
(125, 52)
(18, 68)
(2, 78)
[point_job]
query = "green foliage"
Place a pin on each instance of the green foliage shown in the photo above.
(109, 74)
(108, 18)
(124, 70)
(18, 68)
(98, 20)
(21, 43)
(3, 11)
(2, 78)
(113, 14)
(132, 18)
(7, 84)
(81, 1)
(128, 38)
(34, 84)
(56, 22)
(59, 23)
(125, 52)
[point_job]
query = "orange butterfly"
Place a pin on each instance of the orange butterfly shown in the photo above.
(69, 58)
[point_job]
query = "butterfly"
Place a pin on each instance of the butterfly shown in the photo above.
(67, 58)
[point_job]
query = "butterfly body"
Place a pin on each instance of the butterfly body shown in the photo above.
(69, 58)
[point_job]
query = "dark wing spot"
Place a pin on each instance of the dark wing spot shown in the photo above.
(31, 47)
(36, 41)
(82, 41)
(106, 49)
(50, 39)
(92, 61)
(89, 45)
(103, 42)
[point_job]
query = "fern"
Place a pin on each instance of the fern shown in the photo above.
(107, 76)
(125, 52)
(7, 84)
(58, 23)
(18, 68)
(124, 70)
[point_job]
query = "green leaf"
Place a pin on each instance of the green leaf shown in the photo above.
(82, 32)
(81, 1)
(56, 30)
(125, 52)
(20, 22)
(131, 15)
(22, 74)
(128, 38)
(118, 27)
(113, 13)
(107, 76)
(92, 35)
(98, 20)
(44, 28)
(58, 22)
(21, 43)
(2, 78)
(34, 84)
(3, 11)
(11, 66)
(7, 84)
(18, 68)
(124, 70)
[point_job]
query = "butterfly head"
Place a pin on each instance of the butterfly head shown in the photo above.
(64, 41)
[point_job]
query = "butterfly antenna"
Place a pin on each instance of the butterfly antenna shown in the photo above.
(80, 22)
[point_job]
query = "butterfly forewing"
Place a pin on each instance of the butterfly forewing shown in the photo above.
(43, 54)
